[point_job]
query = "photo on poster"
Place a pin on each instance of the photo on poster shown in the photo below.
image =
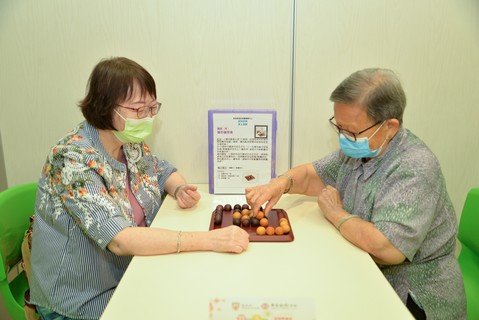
(261, 131)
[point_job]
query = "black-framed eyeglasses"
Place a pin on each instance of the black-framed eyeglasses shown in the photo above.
(143, 112)
(348, 134)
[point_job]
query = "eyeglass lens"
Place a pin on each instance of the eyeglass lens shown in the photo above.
(349, 135)
(148, 110)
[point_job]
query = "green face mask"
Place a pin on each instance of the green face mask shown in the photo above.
(136, 130)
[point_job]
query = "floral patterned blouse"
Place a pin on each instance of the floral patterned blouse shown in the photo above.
(404, 194)
(82, 203)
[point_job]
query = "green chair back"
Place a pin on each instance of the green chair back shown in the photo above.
(16, 206)
(469, 256)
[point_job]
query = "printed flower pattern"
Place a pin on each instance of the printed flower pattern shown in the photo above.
(91, 186)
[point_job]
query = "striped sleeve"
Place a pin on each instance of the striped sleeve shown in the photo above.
(86, 198)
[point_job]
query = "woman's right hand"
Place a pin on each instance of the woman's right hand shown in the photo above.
(229, 239)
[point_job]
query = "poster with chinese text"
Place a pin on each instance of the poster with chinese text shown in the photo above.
(241, 149)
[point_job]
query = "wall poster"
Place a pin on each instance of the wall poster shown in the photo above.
(241, 149)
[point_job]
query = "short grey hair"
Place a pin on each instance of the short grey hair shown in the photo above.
(377, 90)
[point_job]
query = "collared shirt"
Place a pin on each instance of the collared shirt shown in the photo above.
(82, 203)
(403, 193)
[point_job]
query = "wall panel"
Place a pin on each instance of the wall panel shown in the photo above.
(202, 54)
(432, 45)
(206, 54)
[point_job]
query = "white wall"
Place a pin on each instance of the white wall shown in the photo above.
(202, 54)
(237, 53)
(432, 44)
(220, 54)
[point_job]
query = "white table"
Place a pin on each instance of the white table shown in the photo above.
(319, 264)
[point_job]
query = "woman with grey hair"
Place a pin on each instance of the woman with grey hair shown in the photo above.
(384, 191)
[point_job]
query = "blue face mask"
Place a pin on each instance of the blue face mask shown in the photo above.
(359, 148)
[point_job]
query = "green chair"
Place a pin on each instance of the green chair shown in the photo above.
(16, 206)
(469, 256)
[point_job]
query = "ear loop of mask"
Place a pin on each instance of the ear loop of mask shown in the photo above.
(387, 137)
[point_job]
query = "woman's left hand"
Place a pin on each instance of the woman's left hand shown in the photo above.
(187, 196)
(329, 201)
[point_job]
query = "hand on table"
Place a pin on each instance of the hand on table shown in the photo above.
(187, 196)
(329, 202)
(229, 239)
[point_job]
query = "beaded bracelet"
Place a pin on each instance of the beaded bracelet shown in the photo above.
(344, 219)
(178, 242)
(290, 184)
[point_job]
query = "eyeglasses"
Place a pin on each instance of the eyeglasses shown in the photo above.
(145, 111)
(348, 134)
